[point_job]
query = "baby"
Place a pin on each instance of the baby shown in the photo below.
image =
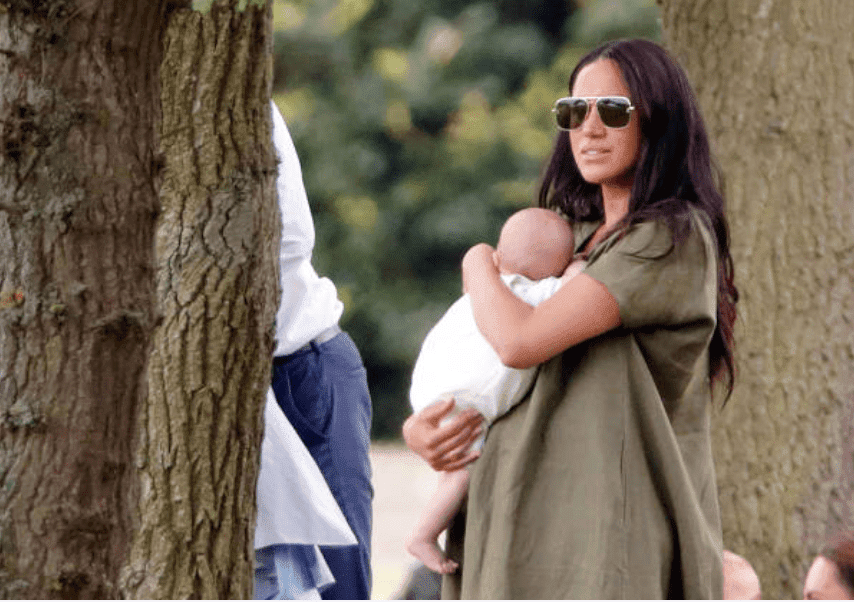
(534, 256)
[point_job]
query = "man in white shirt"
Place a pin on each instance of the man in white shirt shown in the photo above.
(319, 380)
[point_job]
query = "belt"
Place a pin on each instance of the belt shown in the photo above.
(325, 336)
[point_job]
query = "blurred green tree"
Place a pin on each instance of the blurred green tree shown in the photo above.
(421, 127)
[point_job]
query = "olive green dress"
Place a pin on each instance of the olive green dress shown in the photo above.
(601, 484)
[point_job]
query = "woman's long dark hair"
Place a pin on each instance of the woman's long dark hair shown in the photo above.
(675, 170)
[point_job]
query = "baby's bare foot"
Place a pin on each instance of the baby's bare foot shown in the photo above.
(431, 555)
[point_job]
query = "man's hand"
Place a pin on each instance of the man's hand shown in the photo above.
(444, 447)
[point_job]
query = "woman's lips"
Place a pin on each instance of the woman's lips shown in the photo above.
(592, 154)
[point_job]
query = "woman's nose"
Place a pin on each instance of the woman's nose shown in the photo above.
(592, 124)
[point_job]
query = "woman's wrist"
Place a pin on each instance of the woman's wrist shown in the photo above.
(478, 267)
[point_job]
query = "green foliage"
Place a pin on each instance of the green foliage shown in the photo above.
(204, 6)
(610, 19)
(421, 126)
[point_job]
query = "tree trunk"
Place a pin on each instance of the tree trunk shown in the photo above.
(217, 287)
(775, 82)
(78, 203)
(121, 475)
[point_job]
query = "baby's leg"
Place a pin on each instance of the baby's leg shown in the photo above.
(444, 504)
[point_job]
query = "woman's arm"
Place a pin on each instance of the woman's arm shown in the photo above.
(524, 336)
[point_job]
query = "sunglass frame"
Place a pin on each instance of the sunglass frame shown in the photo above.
(595, 100)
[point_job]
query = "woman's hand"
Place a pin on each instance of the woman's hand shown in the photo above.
(444, 447)
(478, 261)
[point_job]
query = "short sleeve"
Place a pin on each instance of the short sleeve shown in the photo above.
(654, 282)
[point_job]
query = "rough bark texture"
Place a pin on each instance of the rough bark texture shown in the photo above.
(775, 79)
(119, 477)
(78, 95)
(217, 287)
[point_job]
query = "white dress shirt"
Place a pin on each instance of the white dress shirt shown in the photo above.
(310, 304)
(295, 505)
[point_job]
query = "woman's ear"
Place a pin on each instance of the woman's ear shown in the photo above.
(496, 259)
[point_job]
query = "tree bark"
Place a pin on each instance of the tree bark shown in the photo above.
(775, 82)
(78, 203)
(124, 474)
(217, 286)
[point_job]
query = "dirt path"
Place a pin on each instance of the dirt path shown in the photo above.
(402, 486)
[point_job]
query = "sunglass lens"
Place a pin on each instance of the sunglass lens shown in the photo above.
(614, 112)
(570, 113)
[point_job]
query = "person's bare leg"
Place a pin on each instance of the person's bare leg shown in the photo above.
(443, 505)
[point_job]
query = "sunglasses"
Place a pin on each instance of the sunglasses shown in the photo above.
(571, 111)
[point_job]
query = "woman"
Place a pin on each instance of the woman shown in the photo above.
(831, 576)
(601, 484)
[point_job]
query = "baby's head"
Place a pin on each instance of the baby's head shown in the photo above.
(536, 243)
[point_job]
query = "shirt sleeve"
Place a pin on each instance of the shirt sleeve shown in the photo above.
(654, 282)
(297, 224)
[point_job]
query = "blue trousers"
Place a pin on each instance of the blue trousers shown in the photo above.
(323, 391)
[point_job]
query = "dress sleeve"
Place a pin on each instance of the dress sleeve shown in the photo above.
(655, 283)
